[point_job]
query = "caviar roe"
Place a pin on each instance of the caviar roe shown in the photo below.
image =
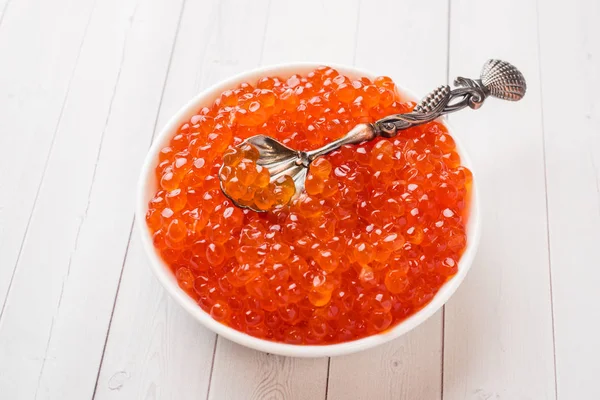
(249, 184)
(380, 228)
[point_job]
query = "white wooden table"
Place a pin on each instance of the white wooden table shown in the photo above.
(85, 84)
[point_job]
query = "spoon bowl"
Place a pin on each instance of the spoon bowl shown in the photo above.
(278, 159)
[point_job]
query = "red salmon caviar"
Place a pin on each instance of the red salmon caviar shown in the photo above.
(379, 229)
(249, 184)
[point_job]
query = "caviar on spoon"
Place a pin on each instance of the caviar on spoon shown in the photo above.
(262, 173)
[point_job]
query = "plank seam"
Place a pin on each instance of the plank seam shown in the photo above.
(262, 50)
(448, 32)
(162, 93)
(112, 313)
(356, 29)
(37, 388)
(327, 381)
(539, 48)
(212, 367)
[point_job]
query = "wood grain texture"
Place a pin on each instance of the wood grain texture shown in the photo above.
(155, 350)
(242, 373)
(420, 63)
(38, 60)
(67, 276)
(569, 72)
(406, 368)
(163, 353)
(498, 327)
(409, 367)
(311, 30)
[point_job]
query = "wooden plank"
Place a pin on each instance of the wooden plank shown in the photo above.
(569, 70)
(39, 55)
(154, 349)
(406, 368)
(3, 7)
(409, 367)
(69, 268)
(419, 60)
(317, 31)
(255, 375)
(163, 352)
(299, 33)
(498, 327)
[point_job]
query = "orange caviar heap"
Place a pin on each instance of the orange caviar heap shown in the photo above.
(249, 184)
(379, 230)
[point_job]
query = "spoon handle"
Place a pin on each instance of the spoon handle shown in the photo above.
(360, 133)
(498, 79)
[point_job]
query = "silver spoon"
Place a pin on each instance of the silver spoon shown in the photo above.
(498, 79)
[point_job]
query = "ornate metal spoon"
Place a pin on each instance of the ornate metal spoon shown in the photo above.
(498, 79)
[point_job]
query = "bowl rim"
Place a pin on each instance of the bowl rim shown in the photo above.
(167, 278)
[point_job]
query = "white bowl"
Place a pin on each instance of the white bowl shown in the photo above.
(147, 189)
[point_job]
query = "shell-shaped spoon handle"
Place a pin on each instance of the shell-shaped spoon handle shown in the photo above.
(498, 79)
(503, 80)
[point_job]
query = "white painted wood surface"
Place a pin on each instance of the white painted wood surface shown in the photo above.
(572, 150)
(84, 85)
(498, 339)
